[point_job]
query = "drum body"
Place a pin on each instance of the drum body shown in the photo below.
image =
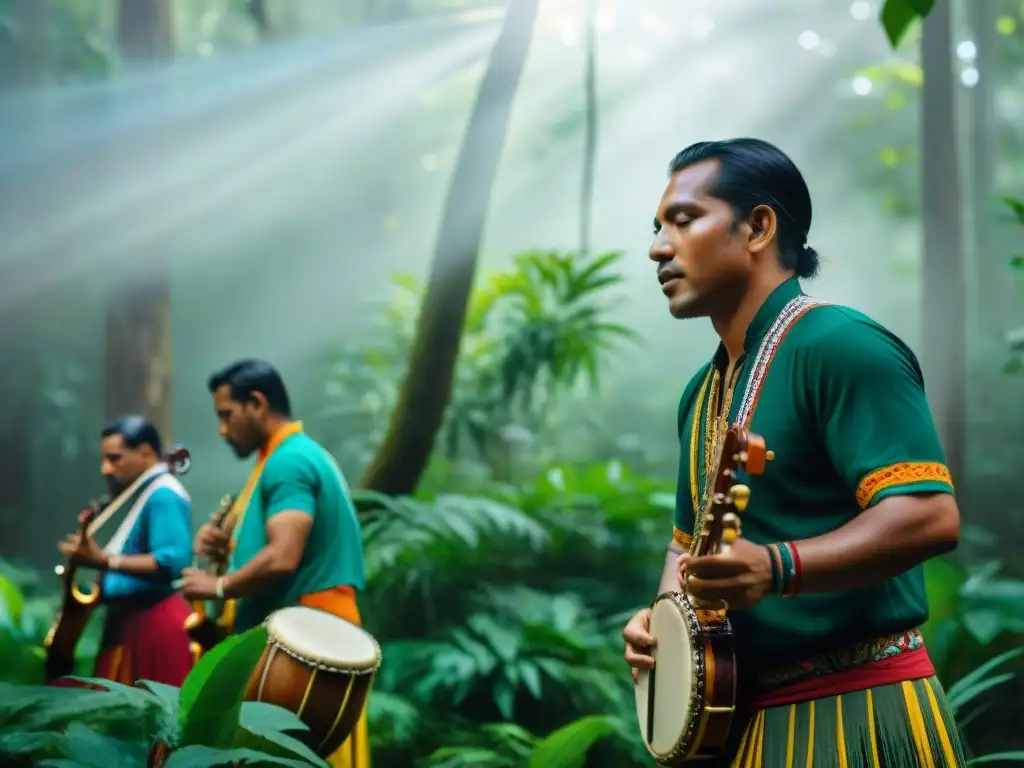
(321, 668)
(685, 705)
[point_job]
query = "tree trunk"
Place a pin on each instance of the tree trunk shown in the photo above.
(943, 290)
(138, 327)
(138, 354)
(426, 391)
(590, 125)
(145, 31)
(24, 61)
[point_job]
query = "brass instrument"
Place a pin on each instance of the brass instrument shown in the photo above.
(77, 605)
(211, 621)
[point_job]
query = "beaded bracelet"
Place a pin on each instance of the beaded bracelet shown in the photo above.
(785, 567)
(792, 568)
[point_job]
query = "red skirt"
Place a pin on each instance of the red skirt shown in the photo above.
(146, 642)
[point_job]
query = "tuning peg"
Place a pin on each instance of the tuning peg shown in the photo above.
(58, 570)
(729, 535)
(769, 455)
(740, 497)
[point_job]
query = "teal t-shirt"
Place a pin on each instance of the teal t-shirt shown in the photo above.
(301, 475)
(163, 529)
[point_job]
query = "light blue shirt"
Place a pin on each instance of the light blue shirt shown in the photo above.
(162, 529)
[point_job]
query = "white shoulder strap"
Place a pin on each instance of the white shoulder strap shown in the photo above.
(166, 480)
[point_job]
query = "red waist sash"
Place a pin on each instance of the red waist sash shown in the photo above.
(869, 664)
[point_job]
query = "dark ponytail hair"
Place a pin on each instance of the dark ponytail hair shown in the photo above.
(752, 173)
(807, 262)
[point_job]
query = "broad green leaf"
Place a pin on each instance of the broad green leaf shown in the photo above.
(36, 708)
(568, 746)
(18, 699)
(505, 699)
(275, 743)
(998, 757)
(169, 729)
(135, 694)
(211, 697)
(898, 15)
(1017, 206)
(35, 744)
(199, 756)
(983, 624)
(261, 716)
(86, 747)
(11, 602)
(167, 695)
(530, 676)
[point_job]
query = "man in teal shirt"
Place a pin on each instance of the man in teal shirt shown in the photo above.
(296, 537)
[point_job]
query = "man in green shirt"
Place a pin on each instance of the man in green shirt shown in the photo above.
(296, 537)
(825, 589)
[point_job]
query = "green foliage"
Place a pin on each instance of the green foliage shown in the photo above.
(512, 747)
(106, 724)
(898, 15)
(535, 335)
(27, 608)
(211, 697)
(498, 607)
(69, 40)
(884, 136)
(568, 746)
(974, 638)
(1015, 338)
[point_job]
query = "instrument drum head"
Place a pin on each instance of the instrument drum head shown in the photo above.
(677, 678)
(323, 639)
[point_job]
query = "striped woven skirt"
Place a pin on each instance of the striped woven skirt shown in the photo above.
(904, 725)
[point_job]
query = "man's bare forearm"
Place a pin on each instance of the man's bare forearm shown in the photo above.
(265, 568)
(134, 565)
(669, 580)
(882, 542)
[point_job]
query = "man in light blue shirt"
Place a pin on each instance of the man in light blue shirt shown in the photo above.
(144, 637)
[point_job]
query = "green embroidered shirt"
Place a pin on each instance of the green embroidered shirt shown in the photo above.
(844, 410)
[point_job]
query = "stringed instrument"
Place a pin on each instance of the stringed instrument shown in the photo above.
(77, 605)
(685, 705)
(211, 621)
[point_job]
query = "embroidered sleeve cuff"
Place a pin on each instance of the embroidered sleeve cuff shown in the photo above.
(904, 477)
(681, 540)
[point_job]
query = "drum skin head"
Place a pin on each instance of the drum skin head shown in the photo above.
(674, 681)
(323, 638)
